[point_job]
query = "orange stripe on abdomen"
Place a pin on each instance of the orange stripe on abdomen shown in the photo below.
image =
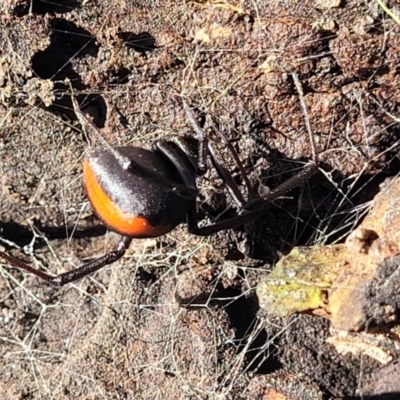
(116, 219)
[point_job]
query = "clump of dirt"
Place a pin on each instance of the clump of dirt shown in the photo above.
(177, 315)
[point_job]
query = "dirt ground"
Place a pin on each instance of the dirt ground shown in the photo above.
(177, 317)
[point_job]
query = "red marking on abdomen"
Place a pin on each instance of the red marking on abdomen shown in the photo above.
(116, 219)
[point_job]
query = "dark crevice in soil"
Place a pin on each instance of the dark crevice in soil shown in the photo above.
(119, 76)
(69, 42)
(22, 236)
(141, 43)
(243, 317)
(42, 7)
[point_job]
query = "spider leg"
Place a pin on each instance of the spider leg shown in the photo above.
(238, 162)
(311, 168)
(74, 275)
(181, 164)
(200, 136)
(206, 148)
(227, 178)
(255, 207)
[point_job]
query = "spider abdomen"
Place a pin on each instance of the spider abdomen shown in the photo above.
(131, 201)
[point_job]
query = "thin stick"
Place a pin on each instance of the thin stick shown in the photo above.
(300, 92)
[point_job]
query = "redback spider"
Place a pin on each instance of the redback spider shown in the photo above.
(141, 193)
